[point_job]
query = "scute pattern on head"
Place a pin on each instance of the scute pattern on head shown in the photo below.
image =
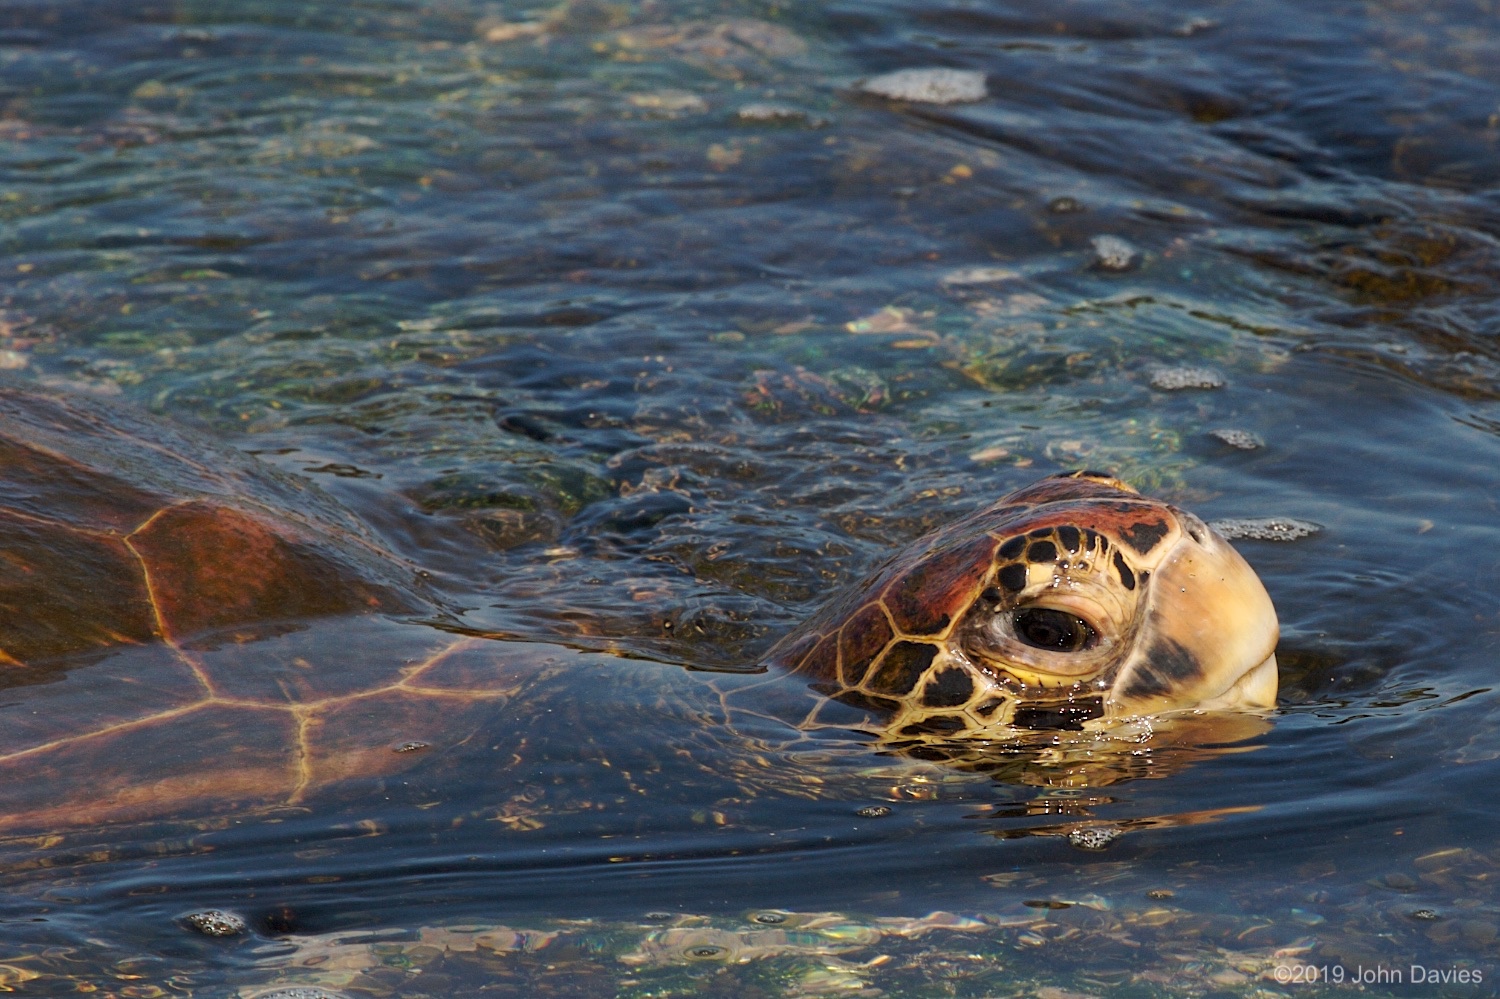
(1041, 610)
(925, 597)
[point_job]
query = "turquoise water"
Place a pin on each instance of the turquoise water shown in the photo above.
(640, 327)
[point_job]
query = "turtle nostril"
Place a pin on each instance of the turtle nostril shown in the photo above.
(1196, 528)
(1053, 630)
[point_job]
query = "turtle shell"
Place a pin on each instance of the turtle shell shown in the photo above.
(117, 530)
(1072, 600)
(179, 614)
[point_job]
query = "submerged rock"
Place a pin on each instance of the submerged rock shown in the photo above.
(928, 86)
(215, 923)
(717, 46)
(980, 275)
(496, 30)
(669, 101)
(1242, 440)
(1177, 379)
(1111, 253)
(777, 114)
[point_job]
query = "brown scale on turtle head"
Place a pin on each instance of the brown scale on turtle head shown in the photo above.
(1072, 599)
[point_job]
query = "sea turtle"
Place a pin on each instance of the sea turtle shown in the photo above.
(1074, 602)
(177, 637)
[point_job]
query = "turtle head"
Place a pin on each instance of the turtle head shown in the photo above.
(1072, 604)
(1100, 593)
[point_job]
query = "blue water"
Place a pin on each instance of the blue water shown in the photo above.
(639, 376)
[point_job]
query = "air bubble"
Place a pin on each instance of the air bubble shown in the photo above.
(1094, 837)
(1265, 528)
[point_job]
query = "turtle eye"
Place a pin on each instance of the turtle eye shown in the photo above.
(1053, 630)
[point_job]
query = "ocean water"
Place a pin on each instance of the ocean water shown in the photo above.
(640, 328)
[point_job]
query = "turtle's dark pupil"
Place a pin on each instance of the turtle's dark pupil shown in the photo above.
(1054, 630)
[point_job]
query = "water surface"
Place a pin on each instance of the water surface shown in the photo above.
(640, 328)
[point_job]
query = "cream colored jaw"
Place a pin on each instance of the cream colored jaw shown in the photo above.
(1255, 690)
(1208, 635)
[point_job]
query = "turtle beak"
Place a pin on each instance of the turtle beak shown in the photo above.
(1208, 634)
